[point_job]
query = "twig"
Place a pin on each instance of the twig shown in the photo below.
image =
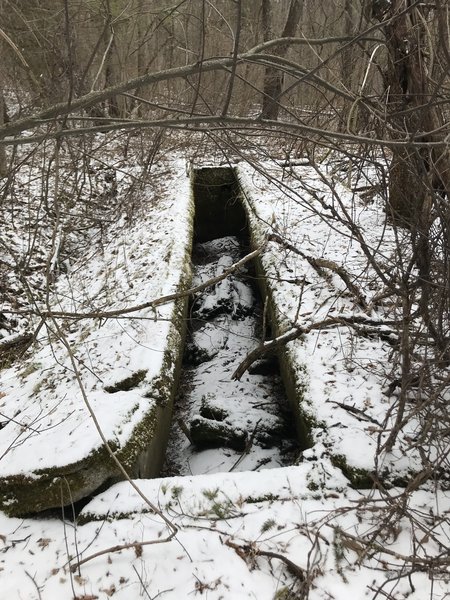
(247, 448)
(378, 548)
(143, 585)
(321, 263)
(35, 584)
(356, 411)
(185, 429)
(135, 545)
(250, 551)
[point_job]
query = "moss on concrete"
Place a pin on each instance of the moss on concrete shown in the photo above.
(128, 383)
(143, 453)
(208, 433)
(359, 478)
(50, 488)
(294, 376)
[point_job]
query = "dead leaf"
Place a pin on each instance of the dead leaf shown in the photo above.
(43, 542)
(110, 591)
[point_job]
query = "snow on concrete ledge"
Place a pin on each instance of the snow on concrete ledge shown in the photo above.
(337, 376)
(51, 450)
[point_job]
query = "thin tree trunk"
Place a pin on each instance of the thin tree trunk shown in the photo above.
(110, 51)
(273, 78)
(412, 173)
(3, 161)
(418, 177)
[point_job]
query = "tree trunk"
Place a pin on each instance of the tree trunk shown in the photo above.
(112, 105)
(418, 177)
(413, 174)
(3, 161)
(273, 78)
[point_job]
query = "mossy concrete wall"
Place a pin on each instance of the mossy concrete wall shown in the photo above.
(163, 391)
(295, 377)
(144, 452)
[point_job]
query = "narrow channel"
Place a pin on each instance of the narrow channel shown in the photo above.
(220, 424)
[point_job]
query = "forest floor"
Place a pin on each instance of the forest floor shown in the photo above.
(246, 527)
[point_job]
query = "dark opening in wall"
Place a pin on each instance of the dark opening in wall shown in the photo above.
(218, 208)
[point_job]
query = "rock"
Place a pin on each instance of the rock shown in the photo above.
(266, 366)
(206, 342)
(210, 433)
(229, 296)
(211, 411)
(243, 300)
(212, 251)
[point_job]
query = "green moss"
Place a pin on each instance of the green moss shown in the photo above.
(128, 383)
(208, 433)
(359, 478)
(209, 411)
(50, 488)
(139, 440)
(143, 453)
(87, 517)
(259, 499)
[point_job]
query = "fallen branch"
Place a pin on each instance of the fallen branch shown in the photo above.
(159, 301)
(137, 546)
(362, 547)
(296, 332)
(360, 414)
(16, 343)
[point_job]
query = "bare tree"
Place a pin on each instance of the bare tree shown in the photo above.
(3, 163)
(273, 77)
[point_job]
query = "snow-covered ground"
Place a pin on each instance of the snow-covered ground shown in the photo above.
(291, 532)
(237, 533)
